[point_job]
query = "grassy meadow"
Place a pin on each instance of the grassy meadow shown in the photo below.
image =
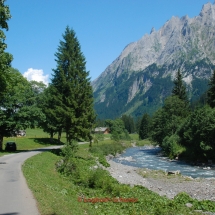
(35, 138)
(82, 187)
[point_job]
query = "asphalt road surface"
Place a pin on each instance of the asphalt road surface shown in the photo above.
(15, 196)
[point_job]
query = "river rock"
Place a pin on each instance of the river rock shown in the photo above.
(177, 172)
(189, 205)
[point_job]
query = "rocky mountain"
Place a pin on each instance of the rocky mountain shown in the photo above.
(141, 77)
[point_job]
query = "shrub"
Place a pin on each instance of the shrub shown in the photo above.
(115, 136)
(197, 133)
(107, 149)
(171, 146)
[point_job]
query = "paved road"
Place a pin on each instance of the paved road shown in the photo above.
(15, 196)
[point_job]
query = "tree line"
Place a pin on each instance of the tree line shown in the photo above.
(184, 130)
(180, 128)
(65, 105)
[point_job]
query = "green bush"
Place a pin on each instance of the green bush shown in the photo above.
(197, 133)
(101, 151)
(171, 146)
(107, 149)
(183, 198)
(115, 136)
(98, 137)
(205, 205)
(103, 161)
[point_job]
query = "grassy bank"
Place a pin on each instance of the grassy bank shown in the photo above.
(73, 189)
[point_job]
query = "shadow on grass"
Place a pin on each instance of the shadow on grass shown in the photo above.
(17, 151)
(56, 152)
(47, 141)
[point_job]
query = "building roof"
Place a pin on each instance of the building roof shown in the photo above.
(102, 129)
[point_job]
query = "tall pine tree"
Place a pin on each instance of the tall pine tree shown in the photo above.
(144, 127)
(50, 104)
(179, 89)
(73, 89)
(211, 91)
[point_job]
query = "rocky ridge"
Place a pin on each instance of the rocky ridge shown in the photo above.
(182, 43)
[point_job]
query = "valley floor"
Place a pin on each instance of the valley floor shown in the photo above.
(158, 182)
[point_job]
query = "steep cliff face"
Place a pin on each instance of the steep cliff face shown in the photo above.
(141, 77)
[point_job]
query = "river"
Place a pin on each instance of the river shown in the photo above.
(150, 157)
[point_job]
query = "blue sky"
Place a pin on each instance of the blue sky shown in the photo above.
(103, 27)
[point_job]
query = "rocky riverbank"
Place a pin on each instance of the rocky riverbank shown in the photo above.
(158, 182)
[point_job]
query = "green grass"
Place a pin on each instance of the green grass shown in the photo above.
(57, 193)
(134, 136)
(35, 138)
(54, 192)
(161, 175)
(144, 142)
(135, 139)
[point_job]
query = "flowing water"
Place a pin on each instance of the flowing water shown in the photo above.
(149, 157)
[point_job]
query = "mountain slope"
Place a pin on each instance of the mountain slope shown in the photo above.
(141, 77)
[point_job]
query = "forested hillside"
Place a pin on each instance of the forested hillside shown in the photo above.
(140, 79)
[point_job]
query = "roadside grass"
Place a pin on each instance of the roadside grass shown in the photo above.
(54, 192)
(72, 191)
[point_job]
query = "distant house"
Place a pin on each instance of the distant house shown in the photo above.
(20, 133)
(102, 130)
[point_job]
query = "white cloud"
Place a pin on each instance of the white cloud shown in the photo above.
(36, 75)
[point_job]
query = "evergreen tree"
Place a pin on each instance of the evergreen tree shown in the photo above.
(158, 124)
(6, 58)
(166, 120)
(179, 89)
(197, 134)
(50, 104)
(137, 123)
(73, 89)
(100, 122)
(211, 91)
(144, 127)
(129, 123)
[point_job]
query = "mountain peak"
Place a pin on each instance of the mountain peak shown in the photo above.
(153, 30)
(207, 9)
(141, 77)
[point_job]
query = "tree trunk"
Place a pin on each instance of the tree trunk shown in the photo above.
(67, 137)
(90, 137)
(1, 142)
(51, 136)
(59, 135)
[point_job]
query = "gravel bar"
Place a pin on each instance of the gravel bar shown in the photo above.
(197, 188)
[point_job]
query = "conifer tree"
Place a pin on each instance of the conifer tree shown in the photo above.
(49, 104)
(129, 123)
(144, 127)
(179, 89)
(73, 89)
(211, 91)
